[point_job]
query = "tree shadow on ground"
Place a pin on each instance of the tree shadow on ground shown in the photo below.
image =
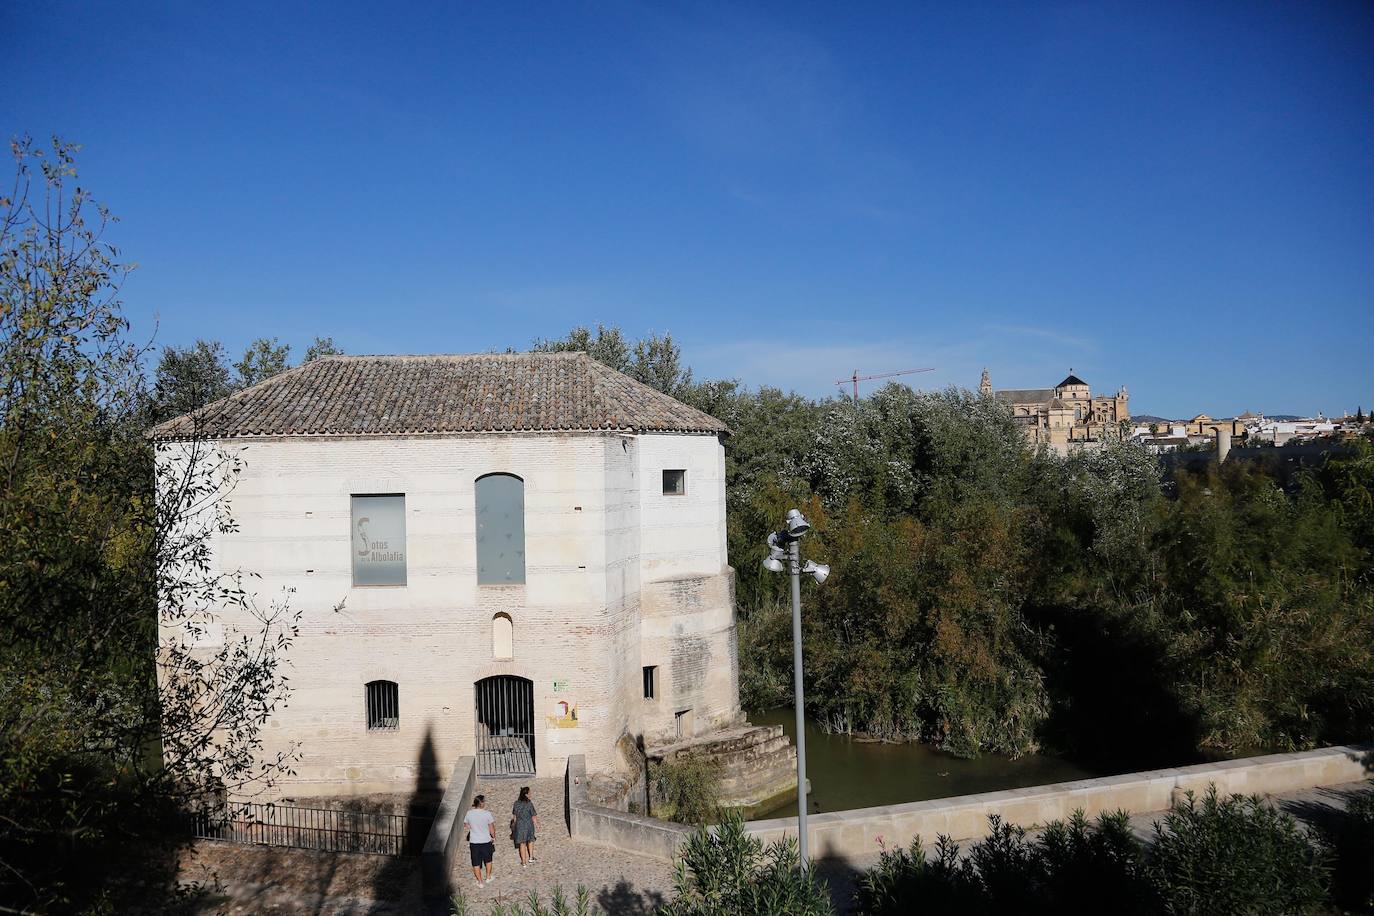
(624, 898)
(842, 878)
(1349, 839)
(396, 877)
(1325, 814)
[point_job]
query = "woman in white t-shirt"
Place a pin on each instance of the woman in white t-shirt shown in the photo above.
(478, 821)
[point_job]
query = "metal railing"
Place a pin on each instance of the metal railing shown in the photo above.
(325, 829)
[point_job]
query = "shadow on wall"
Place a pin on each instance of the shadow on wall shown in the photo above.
(392, 880)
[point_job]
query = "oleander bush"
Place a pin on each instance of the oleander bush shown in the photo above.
(1236, 854)
(1215, 855)
(725, 871)
(1076, 866)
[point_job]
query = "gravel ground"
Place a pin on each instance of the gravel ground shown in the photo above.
(619, 882)
(271, 880)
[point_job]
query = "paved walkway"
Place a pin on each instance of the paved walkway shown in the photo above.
(619, 882)
(277, 881)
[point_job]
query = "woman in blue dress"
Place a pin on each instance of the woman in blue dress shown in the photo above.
(523, 820)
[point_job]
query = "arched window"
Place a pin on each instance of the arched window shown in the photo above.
(383, 706)
(502, 636)
(500, 529)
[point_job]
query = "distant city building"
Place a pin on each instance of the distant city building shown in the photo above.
(1248, 428)
(1065, 416)
(1203, 426)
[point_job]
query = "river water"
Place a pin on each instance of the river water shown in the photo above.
(847, 773)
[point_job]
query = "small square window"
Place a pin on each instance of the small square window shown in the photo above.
(675, 483)
(651, 682)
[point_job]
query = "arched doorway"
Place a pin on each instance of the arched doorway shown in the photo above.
(505, 726)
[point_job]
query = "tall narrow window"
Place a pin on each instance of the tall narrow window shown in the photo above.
(500, 529)
(502, 636)
(650, 682)
(383, 706)
(379, 539)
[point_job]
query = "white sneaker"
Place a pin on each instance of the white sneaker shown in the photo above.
(479, 883)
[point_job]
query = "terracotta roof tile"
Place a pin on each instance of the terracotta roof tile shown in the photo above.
(408, 395)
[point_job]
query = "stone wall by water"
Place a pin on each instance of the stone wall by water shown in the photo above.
(844, 834)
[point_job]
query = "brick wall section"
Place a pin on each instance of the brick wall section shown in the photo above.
(599, 536)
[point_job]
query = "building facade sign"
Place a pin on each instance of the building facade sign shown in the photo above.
(379, 540)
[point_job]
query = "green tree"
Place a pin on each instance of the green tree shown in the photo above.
(263, 359)
(608, 346)
(654, 360)
(657, 362)
(322, 346)
(106, 730)
(190, 377)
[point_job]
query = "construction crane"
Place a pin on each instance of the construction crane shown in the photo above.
(856, 378)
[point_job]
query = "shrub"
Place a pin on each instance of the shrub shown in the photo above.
(1073, 867)
(906, 881)
(686, 789)
(1353, 878)
(533, 905)
(1235, 855)
(1086, 866)
(725, 871)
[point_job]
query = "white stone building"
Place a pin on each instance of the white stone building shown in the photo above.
(529, 550)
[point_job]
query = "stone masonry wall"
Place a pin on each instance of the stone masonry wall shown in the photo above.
(597, 528)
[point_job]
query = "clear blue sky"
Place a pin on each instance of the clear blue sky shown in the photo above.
(1177, 197)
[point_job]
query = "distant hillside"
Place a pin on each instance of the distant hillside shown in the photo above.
(1145, 419)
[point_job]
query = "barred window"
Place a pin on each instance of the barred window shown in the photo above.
(383, 706)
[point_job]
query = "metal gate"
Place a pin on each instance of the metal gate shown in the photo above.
(505, 726)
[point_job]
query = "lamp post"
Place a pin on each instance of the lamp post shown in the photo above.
(785, 544)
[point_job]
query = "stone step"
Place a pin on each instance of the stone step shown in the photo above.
(727, 741)
(738, 751)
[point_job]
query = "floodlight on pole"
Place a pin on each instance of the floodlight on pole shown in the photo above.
(782, 545)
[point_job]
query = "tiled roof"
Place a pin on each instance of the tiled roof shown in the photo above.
(1025, 395)
(1071, 380)
(406, 395)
